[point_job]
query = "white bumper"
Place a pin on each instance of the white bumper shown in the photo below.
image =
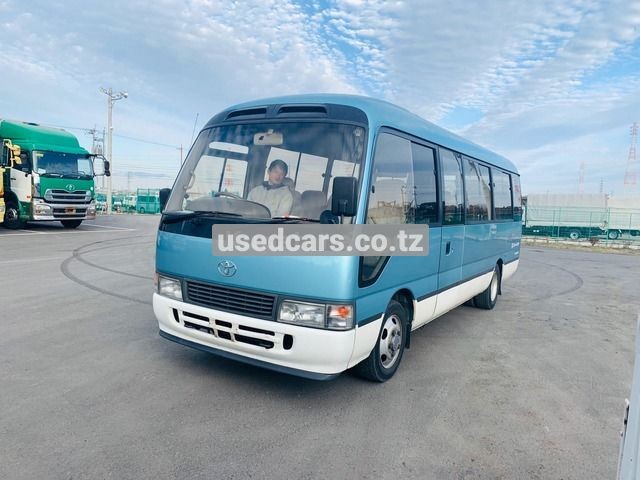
(298, 350)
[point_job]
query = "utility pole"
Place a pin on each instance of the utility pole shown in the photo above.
(111, 99)
(630, 174)
(581, 179)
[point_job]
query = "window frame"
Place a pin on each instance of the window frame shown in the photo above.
(508, 174)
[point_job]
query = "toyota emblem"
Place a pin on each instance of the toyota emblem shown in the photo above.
(227, 268)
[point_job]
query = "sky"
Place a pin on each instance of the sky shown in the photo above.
(549, 84)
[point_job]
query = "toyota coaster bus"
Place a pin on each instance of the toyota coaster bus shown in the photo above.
(317, 316)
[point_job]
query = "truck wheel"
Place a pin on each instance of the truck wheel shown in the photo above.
(141, 210)
(12, 216)
(487, 299)
(386, 355)
(71, 223)
(613, 234)
(574, 234)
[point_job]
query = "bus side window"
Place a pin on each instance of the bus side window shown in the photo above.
(452, 186)
(477, 182)
(425, 199)
(517, 197)
(502, 197)
(392, 181)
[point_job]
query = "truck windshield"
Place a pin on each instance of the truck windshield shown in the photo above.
(267, 170)
(62, 164)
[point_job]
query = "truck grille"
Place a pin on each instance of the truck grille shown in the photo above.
(232, 300)
(53, 196)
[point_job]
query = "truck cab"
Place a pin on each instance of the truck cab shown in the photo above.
(49, 176)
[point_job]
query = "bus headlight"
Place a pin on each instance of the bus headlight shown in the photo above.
(318, 315)
(308, 314)
(169, 287)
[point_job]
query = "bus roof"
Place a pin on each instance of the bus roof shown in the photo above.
(32, 136)
(381, 113)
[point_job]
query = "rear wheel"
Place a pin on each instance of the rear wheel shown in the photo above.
(386, 355)
(487, 299)
(71, 223)
(613, 234)
(574, 234)
(141, 210)
(12, 216)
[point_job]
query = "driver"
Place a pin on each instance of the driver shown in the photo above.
(274, 194)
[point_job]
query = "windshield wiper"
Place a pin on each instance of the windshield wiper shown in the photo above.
(175, 217)
(294, 219)
(50, 174)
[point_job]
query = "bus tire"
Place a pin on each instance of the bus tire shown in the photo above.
(613, 234)
(488, 299)
(12, 216)
(70, 223)
(384, 359)
(141, 210)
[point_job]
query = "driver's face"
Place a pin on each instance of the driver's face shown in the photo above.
(276, 175)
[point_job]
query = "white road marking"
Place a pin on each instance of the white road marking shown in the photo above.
(108, 227)
(63, 232)
(32, 259)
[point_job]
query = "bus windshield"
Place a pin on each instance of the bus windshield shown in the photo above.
(268, 170)
(60, 164)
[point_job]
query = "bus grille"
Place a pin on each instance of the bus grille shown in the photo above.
(231, 300)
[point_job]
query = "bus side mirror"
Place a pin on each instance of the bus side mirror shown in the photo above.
(344, 196)
(164, 197)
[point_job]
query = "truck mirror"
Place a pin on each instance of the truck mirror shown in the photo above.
(344, 196)
(163, 196)
(107, 168)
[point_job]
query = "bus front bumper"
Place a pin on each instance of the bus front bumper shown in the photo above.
(302, 351)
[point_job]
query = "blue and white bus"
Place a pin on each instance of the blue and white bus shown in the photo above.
(348, 311)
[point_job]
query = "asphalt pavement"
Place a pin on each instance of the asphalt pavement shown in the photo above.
(533, 389)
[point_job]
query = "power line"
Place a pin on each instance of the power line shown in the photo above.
(136, 139)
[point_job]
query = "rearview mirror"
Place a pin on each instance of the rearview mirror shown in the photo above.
(344, 196)
(164, 197)
(100, 166)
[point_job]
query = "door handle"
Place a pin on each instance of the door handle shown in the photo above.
(448, 249)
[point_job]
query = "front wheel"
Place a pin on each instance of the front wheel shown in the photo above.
(613, 234)
(12, 216)
(487, 299)
(71, 223)
(574, 234)
(386, 355)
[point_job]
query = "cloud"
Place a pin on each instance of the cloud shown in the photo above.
(529, 80)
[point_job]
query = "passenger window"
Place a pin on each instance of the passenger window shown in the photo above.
(502, 195)
(477, 182)
(452, 186)
(392, 181)
(311, 172)
(517, 198)
(424, 203)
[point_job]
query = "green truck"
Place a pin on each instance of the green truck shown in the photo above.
(48, 175)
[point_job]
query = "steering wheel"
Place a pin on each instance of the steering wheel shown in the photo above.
(228, 194)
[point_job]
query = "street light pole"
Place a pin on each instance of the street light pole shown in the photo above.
(111, 99)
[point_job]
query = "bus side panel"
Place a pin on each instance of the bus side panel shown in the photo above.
(417, 274)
